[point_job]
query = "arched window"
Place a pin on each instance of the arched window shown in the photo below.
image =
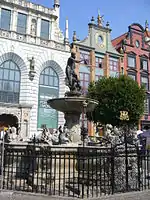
(9, 82)
(48, 88)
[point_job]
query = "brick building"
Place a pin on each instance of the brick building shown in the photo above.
(134, 46)
(101, 57)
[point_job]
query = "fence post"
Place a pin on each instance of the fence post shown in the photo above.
(138, 165)
(126, 157)
(2, 164)
(112, 169)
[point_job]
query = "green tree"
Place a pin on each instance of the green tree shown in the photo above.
(115, 95)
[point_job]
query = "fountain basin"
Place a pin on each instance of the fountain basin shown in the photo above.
(72, 104)
(72, 107)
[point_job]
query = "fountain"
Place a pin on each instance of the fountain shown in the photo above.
(73, 103)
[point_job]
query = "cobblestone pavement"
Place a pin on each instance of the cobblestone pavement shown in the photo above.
(26, 196)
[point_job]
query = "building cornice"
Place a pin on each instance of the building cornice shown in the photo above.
(26, 5)
(28, 39)
(10, 105)
(114, 55)
(87, 48)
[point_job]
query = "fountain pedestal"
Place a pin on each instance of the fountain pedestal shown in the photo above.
(73, 126)
(72, 107)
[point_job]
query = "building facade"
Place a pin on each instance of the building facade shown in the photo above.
(136, 51)
(33, 57)
(99, 57)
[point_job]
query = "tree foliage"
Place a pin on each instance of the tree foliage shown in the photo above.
(115, 95)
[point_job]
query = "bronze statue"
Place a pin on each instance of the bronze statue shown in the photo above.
(32, 64)
(72, 80)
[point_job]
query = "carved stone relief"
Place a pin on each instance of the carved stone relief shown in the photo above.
(33, 27)
(25, 116)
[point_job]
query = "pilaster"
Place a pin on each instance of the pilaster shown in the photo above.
(138, 70)
(92, 78)
(28, 31)
(38, 29)
(125, 64)
(78, 58)
(14, 20)
(121, 66)
(50, 29)
(92, 66)
(106, 65)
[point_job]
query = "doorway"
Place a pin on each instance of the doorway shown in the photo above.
(8, 120)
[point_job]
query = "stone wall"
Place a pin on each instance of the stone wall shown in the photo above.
(6, 195)
(44, 57)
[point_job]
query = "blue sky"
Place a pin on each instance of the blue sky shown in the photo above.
(120, 14)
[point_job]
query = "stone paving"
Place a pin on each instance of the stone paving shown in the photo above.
(6, 195)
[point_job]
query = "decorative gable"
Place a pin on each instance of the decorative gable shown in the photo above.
(98, 38)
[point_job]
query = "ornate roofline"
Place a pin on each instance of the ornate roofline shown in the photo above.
(30, 6)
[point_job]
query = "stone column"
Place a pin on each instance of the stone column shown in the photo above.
(73, 125)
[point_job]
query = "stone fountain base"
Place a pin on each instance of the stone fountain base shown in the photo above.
(72, 105)
(73, 126)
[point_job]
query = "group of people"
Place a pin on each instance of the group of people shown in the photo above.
(144, 137)
(8, 133)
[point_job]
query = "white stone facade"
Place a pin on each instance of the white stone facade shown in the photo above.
(20, 48)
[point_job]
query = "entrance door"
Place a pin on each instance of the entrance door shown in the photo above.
(8, 120)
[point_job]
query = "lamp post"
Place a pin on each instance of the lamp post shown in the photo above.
(124, 117)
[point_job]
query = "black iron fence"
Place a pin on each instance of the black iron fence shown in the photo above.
(75, 171)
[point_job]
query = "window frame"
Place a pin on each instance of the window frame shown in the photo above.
(146, 106)
(97, 77)
(141, 62)
(83, 81)
(145, 76)
(44, 35)
(98, 62)
(132, 74)
(114, 65)
(50, 73)
(85, 55)
(5, 82)
(2, 27)
(18, 25)
(133, 57)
